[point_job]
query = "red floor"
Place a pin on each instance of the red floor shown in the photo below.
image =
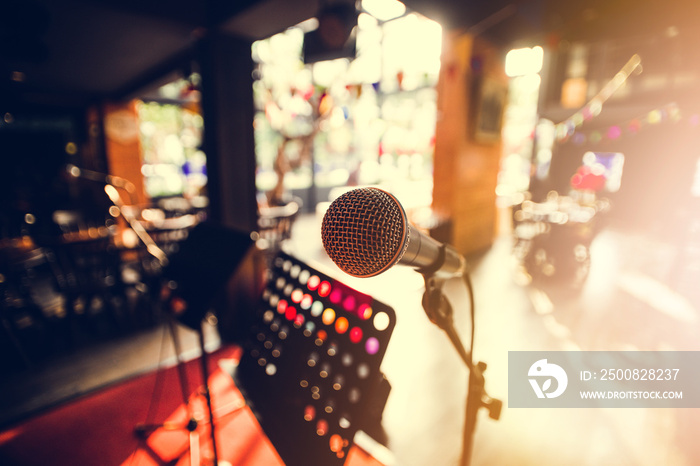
(98, 429)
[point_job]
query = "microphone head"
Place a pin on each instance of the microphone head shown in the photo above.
(365, 232)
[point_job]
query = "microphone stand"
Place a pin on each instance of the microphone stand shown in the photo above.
(111, 184)
(439, 311)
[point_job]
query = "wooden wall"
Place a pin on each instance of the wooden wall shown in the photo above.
(123, 147)
(467, 159)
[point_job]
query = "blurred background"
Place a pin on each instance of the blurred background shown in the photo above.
(553, 144)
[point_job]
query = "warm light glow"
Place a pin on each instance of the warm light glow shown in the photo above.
(364, 311)
(316, 308)
(324, 289)
(381, 321)
(356, 334)
(341, 325)
(112, 193)
(282, 306)
(349, 303)
(384, 10)
(521, 62)
(372, 345)
(297, 295)
(328, 316)
(309, 413)
(313, 282)
(336, 443)
(306, 301)
(336, 296)
(321, 427)
(290, 313)
(695, 188)
(308, 25)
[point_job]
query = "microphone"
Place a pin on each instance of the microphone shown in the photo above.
(365, 232)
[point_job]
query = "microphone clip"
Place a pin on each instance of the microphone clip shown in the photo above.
(432, 269)
(439, 310)
(437, 307)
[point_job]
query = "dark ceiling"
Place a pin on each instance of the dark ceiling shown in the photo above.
(70, 52)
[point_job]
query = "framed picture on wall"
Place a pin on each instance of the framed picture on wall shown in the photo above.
(489, 104)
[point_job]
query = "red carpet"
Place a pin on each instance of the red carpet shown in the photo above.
(98, 429)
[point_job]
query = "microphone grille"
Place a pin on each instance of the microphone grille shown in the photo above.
(365, 231)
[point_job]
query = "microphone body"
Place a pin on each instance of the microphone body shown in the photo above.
(429, 256)
(365, 232)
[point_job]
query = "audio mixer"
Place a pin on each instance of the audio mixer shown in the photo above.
(310, 369)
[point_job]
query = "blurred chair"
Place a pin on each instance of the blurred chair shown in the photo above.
(275, 223)
(29, 303)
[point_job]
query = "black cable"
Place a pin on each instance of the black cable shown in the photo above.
(470, 292)
(467, 434)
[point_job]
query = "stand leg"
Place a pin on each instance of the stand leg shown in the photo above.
(477, 398)
(207, 395)
(143, 430)
(439, 311)
(475, 390)
(194, 448)
(181, 371)
(192, 426)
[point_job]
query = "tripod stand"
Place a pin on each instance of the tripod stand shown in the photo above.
(192, 425)
(439, 311)
(199, 272)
